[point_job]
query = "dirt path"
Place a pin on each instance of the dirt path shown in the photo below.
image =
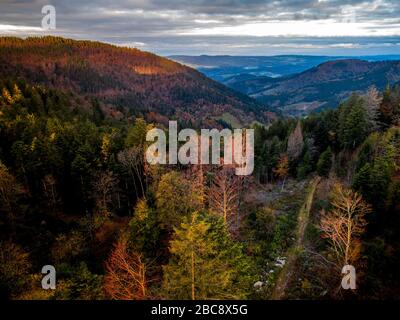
(293, 252)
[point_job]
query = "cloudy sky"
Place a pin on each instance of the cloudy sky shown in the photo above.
(252, 27)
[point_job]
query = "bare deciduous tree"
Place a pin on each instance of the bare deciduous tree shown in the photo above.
(133, 160)
(104, 186)
(126, 274)
(223, 197)
(372, 102)
(344, 224)
(295, 142)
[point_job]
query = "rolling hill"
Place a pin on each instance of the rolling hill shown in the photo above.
(324, 86)
(223, 68)
(126, 81)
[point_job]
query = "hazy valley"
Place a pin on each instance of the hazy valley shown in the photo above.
(298, 85)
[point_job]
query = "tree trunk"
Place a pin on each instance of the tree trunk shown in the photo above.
(193, 278)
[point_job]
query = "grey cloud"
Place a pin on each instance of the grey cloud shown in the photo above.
(157, 23)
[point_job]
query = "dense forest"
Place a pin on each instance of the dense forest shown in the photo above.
(127, 81)
(76, 193)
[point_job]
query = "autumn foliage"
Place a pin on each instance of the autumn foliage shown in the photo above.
(126, 274)
(344, 224)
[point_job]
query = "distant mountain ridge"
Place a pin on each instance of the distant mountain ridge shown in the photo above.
(324, 86)
(222, 68)
(125, 79)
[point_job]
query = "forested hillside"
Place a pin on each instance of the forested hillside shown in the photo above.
(76, 193)
(321, 87)
(127, 81)
(355, 150)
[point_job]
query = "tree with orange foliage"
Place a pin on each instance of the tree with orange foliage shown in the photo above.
(223, 197)
(126, 274)
(282, 169)
(344, 224)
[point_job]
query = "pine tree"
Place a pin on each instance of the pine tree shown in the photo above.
(386, 108)
(137, 134)
(353, 124)
(204, 263)
(305, 166)
(325, 163)
(175, 199)
(144, 231)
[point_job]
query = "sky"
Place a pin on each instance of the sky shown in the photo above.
(233, 27)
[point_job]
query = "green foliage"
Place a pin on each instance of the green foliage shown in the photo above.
(175, 199)
(205, 263)
(306, 165)
(325, 163)
(69, 247)
(145, 231)
(78, 283)
(14, 269)
(267, 152)
(283, 233)
(383, 265)
(58, 146)
(353, 124)
(376, 167)
(136, 135)
(260, 227)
